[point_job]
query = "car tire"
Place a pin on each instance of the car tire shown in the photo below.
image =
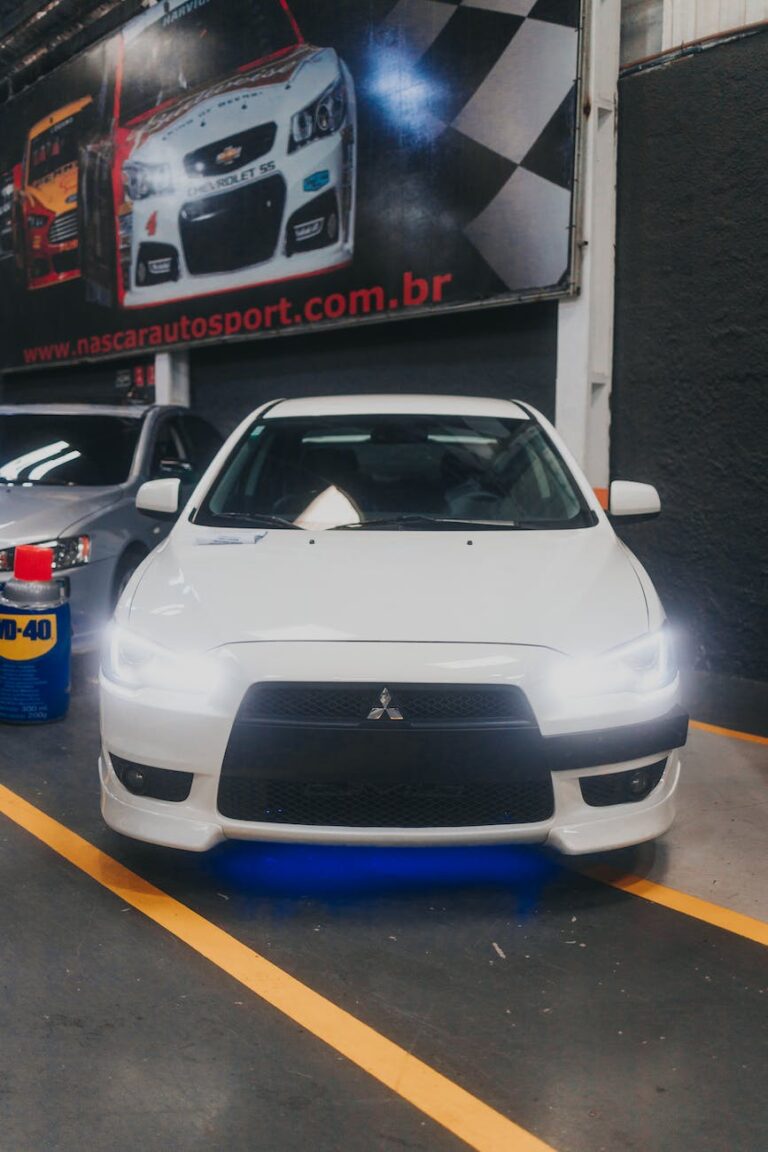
(126, 566)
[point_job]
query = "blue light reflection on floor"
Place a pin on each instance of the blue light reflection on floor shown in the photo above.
(340, 873)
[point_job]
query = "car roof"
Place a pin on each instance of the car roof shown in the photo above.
(130, 413)
(401, 405)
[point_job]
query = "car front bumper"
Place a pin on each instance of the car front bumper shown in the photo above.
(176, 734)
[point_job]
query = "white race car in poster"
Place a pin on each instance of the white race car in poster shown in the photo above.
(234, 156)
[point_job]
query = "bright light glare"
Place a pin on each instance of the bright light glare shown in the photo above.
(646, 665)
(13, 468)
(136, 662)
(404, 95)
(43, 469)
(328, 510)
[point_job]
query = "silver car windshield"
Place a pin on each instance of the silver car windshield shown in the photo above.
(411, 471)
(46, 448)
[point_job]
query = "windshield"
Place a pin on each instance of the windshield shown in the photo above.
(77, 450)
(52, 149)
(402, 471)
(199, 43)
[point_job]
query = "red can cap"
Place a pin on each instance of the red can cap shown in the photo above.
(32, 563)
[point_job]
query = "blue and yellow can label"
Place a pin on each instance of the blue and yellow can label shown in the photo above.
(27, 637)
(34, 664)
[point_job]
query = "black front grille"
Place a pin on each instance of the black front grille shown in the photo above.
(308, 753)
(364, 804)
(232, 153)
(64, 228)
(233, 230)
(350, 704)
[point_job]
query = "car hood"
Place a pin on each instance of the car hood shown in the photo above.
(31, 514)
(574, 591)
(53, 193)
(268, 92)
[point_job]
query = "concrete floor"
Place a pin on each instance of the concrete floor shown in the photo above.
(592, 1018)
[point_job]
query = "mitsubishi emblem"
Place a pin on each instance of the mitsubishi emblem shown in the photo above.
(387, 708)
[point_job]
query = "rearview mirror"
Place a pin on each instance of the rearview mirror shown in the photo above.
(633, 501)
(159, 498)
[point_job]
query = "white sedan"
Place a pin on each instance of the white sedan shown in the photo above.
(392, 619)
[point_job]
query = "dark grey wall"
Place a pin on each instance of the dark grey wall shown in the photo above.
(689, 403)
(509, 351)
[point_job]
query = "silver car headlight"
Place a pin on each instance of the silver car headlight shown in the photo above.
(143, 180)
(322, 117)
(68, 552)
(133, 661)
(641, 667)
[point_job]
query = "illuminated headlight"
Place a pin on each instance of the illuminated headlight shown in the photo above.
(68, 552)
(133, 661)
(322, 117)
(37, 221)
(143, 180)
(644, 666)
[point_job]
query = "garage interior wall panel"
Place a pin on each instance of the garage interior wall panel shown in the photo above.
(506, 352)
(650, 27)
(689, 408)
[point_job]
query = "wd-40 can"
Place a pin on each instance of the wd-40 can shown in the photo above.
(35, 641)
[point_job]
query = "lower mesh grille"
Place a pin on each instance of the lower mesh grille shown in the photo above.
(363, 804)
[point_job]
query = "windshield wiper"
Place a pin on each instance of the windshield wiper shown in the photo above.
(419, 520)
(252, 520)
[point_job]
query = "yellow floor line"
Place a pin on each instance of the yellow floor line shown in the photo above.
(732, 732)
(736, 922)
(467, 1117)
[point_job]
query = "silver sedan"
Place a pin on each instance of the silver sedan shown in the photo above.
(69, 475)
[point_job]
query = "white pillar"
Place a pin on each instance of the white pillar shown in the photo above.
(172, 378)
(585, 322)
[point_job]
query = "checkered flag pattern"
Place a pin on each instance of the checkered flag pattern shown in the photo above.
(503, 75)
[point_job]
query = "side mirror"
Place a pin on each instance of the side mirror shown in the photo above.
(159, 498)
(633, 501)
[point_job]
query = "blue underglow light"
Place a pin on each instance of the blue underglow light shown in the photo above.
(340, 873)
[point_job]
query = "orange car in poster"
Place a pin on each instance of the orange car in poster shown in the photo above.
(46, 225)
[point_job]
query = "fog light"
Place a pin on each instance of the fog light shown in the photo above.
(639, 783)
(135, 780)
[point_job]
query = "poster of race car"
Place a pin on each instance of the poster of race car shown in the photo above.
(238, 168)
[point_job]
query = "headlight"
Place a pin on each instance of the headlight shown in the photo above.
(37, 221)
(646, 665)
(322, 117)
(143, 180)
(68, 552)
(133, 661)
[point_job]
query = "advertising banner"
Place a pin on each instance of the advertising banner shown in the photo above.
(225, 169)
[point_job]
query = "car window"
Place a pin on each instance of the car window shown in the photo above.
(169, 454)
(202, 441)
(51, 449)
(484, 470)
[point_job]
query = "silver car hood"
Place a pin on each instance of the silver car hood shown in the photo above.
(32, 514)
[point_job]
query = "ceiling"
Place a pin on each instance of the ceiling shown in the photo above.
(36, 35)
